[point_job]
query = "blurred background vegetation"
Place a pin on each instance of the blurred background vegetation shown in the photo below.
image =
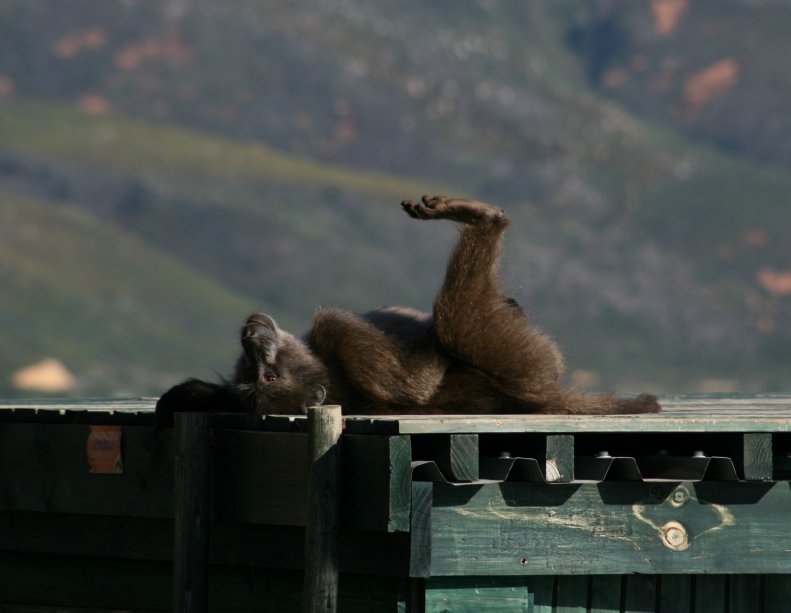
(167, 167)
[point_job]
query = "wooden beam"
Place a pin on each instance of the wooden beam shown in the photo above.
(420, 529)
(523, 528)
(377, 486)
(758, 456)
(320, 594)
(191, 514)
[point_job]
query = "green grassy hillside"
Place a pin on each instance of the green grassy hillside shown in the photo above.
(121, 315)
(254, 157)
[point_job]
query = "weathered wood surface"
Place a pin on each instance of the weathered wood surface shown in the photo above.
(681, 413)
(320, 594)
(611, 594)
(191, 514)
(44, 468)
(610, 528)
(69, 583)
(685, 413)
(524, 542)
(377, 489)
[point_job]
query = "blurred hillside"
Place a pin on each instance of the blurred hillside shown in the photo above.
(168, 167)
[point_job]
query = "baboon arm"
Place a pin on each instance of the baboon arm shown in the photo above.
(198, 396)
(380, 367)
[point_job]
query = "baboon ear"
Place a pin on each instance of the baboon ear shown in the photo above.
(317, 397)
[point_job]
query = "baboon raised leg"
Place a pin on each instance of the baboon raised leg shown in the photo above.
(476, 323)
(483, 330)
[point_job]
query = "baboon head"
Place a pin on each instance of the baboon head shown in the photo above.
(276, 372)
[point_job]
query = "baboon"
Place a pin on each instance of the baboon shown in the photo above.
(475, 353)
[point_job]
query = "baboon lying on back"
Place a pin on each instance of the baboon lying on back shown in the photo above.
(476, 353)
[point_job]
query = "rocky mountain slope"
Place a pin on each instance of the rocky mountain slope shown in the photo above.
(167, 167)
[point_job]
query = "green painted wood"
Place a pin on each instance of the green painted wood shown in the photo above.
(459, 457)
(777, 593)
(605, 594)
(478, 594)
(559, 454)
(260, 477)
(506, 594)
(710, 593)
(517, 528)
(377, 488)
(420, 529)
(572, 593)
(639, 594)
(44, 468)
(543, 590)
(758, 456)
(744, 593)
(690, 413)
(675, 594)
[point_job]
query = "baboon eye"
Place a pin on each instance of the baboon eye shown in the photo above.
(270, 378)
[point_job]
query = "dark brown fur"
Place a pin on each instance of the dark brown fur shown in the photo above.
(477, 352)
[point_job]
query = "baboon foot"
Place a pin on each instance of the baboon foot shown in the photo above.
(455, 209)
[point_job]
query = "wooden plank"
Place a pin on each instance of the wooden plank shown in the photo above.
(639, 594)
(260, 477)
(87, 535)
(542, 591)
(420, 529)
(82, 581)
(235, 544)
(777, 593)
(572, 593)
(692, 405)
(605, 594)
(131, 411)
(559, 455)
(191, 514)
(758, 456)
(675, 594)
(44, 468)
(459, 457)
(744, 593)
(377, 482)
(694, 413)
(456, 455)
(324, 492)
(710, 593)
(689, 413)
(609, 528)
(478, 594)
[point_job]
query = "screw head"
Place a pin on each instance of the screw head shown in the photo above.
(679, 497)
(674, 536)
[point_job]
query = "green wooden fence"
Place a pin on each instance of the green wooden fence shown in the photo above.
(687, 510)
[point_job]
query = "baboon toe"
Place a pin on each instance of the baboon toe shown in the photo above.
(429, 207)
(434, 202)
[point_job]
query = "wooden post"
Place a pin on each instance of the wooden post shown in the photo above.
(320, 594)
(191, 514)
